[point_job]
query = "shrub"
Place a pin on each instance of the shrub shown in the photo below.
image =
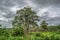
(18, 32)
(3, 38)
(47, 38)
(37, 34)
(15, 38)
(4, 32)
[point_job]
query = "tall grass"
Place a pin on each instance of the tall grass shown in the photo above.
(34, 36)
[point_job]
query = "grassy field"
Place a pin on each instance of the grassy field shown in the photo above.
(34, 36)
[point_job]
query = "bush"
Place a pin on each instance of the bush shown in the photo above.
(37, 34)
(18, 32)
(15, 38)
(4, 32)
(3, 38)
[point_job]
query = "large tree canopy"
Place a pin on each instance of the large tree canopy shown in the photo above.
(26, 17)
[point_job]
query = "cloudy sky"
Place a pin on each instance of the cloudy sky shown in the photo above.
(46, 9)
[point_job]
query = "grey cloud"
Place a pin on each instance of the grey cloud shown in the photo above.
(8, 13)
(46, 2)
(5, 6)
(55, 20)
(11, 2)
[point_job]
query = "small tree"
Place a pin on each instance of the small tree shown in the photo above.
(0, 25)
(44, 26)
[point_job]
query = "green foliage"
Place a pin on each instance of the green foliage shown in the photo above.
(0, 25)
(44, 26)
(18, 31)
(3, 38)
(54, 28)
(15, 38)
(37, 34)
(4, 32)
(34, 36)
(46, 36)
(27, 18)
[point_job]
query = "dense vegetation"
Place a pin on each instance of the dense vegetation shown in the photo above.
(25, 27)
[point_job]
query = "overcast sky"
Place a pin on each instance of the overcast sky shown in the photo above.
(46, 9)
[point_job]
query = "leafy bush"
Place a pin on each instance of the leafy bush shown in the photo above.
(18, 32)
(15, 38)
(3, 38)
(36, 38)
(4, 32)
(37, 34)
